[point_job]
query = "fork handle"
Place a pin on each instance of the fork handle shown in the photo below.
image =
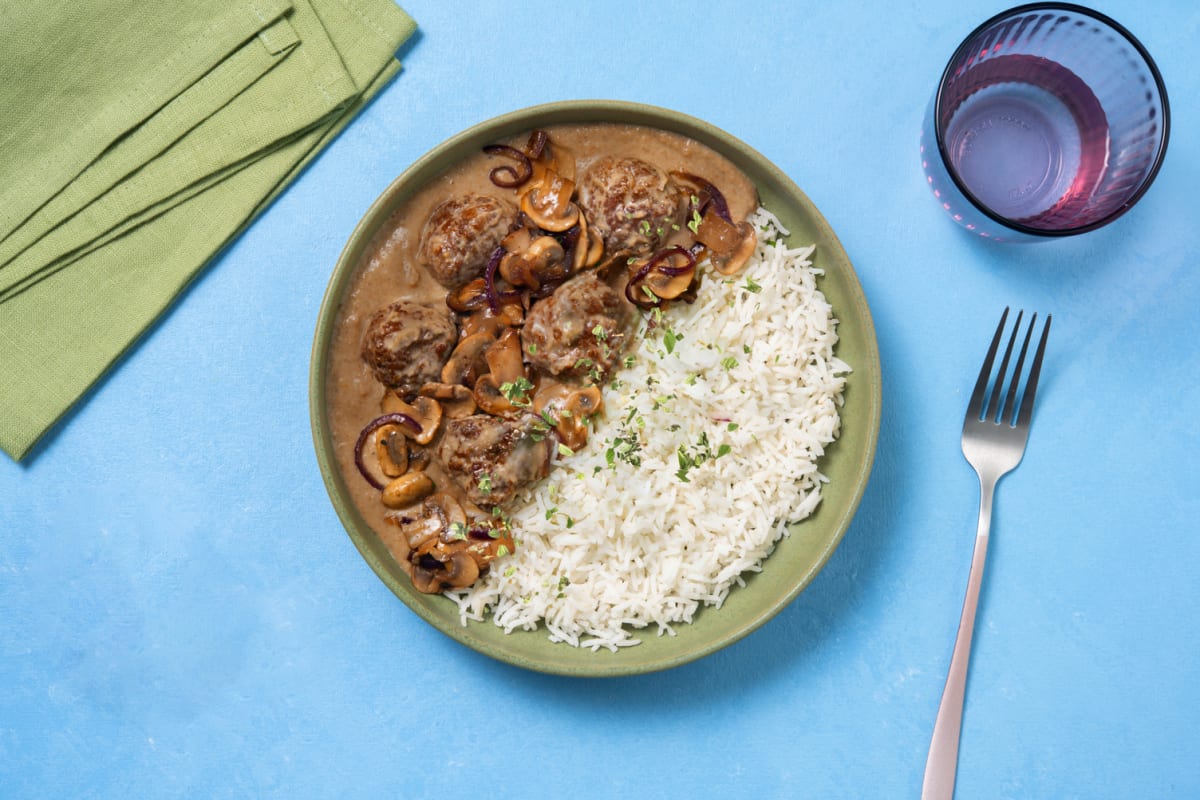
(942, 763)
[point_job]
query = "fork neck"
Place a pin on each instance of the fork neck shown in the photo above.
(987, 490)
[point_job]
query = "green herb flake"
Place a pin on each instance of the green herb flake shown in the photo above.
(729, 362)
(670, 339)
(502, 551)
(599, 332)
(733, 426)
(751, 286)
(724, 450)
(485, 483)
(512, 570)
(517, 392)
(565, 451)
(458, 530)
(694, 222)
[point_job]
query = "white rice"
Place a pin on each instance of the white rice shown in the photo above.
(604, 549)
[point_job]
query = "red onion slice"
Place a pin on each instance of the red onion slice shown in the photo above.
(372, 426)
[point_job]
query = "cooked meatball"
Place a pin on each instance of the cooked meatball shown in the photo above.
(630, 203)
(406, 345)
(461, 234)
(492, 458)
(579, 331)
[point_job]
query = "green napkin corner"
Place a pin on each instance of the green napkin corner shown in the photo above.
(141, 138)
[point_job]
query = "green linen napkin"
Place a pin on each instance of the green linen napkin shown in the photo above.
(143, 141)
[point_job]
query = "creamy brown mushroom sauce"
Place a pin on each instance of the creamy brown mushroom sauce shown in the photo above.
(389, 271)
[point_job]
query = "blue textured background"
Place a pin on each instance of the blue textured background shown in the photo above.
(181, 613)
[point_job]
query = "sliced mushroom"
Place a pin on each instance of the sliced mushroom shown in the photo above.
(450, 512)
(589, 246)
(425, 411)
(729, 263)
(510, 315)
(472, 296)
(585, 402)
(455, 399)
(668, 287)
(391, 450)
(548, 204)
(574, 415)
(504, 359)
(427, 574)
(467, 362)
(462, 570)
(490, 538)
(490, 399)
(667, 275)
(421, 533)
(407, 489)
(570, 408)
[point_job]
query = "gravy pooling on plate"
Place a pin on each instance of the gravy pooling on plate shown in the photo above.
(473, 346)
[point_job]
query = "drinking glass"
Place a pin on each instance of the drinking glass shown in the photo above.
(1050, 120)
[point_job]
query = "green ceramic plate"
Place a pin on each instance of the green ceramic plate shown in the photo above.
(847, 462)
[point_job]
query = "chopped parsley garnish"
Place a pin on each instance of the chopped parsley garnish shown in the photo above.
(458, 530)
(626, 446)
(517, 392)
(729, 362)
(694, 222)
(733, 426)
(691, 457)
(751, 286)
(599, 332)
(565, 451)
(485, 483)
(670, 338)
(502, 551)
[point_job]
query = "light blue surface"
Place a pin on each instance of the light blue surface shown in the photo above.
(181, 613)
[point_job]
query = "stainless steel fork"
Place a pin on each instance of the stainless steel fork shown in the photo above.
(993, 440)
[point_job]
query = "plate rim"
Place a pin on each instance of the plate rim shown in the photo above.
(602, 664)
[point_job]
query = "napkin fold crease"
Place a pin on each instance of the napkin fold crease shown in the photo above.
(115, 193)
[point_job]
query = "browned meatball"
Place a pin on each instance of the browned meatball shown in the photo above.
(406, 345)
(633, 205)
(492, 458)
(579, 331)
(461, 234)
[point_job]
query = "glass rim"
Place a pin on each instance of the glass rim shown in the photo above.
(1117, 28)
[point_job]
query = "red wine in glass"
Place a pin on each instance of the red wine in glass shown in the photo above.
(1049, 120)
(1027, 137)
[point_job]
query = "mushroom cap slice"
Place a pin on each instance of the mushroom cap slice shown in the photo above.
(548, 204)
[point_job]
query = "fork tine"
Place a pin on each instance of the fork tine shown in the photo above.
(1009, 413)
(1031, 384)
(994, 409)
(975, 407)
